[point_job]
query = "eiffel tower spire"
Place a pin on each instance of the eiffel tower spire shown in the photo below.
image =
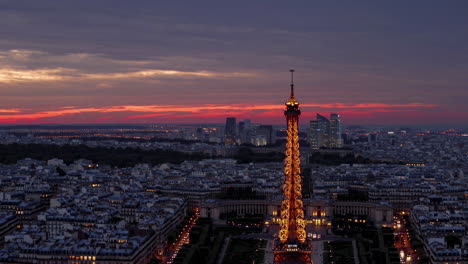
(292, 83)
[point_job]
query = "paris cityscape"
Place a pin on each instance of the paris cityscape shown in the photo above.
(231, 133)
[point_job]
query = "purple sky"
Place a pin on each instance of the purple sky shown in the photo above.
(400, 62)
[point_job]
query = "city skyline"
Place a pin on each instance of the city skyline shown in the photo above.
(118, 62)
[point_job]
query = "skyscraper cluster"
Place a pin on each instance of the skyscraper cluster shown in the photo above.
(246, 133)
(325, 133)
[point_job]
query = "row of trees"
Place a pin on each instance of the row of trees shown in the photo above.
(334, 159)
(10, 154)
(246, 155)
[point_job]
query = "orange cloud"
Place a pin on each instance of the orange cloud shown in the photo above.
(9, 75)
(158, 73)
(13, 68)
(13, 110)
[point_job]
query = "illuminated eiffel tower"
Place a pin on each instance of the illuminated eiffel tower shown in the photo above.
(292, 245)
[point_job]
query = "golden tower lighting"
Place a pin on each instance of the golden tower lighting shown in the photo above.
(292, 246)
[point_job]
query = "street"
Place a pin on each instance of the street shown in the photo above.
(402, 242)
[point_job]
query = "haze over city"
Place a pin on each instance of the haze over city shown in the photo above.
(69, 62)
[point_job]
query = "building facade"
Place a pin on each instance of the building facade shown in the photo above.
(335, 131)
(325, 133)
(230, 131)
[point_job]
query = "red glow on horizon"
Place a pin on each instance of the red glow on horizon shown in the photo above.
(264, 113)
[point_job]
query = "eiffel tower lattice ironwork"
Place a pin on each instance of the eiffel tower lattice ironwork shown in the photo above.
(292, 245)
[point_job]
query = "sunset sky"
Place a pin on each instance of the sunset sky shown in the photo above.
(89, 61)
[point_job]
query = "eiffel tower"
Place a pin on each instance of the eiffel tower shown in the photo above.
(292, 245)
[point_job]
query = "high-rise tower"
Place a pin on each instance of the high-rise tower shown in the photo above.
(313, 135)
(324, 133)
(230, 132)
(292, 246)
(335, 131)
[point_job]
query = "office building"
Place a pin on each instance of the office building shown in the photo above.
(335, 131)
(267, 132)
(245, 132)
(230, 131)
(324, 133)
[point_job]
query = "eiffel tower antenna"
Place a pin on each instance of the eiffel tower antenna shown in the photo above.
(292, 83)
